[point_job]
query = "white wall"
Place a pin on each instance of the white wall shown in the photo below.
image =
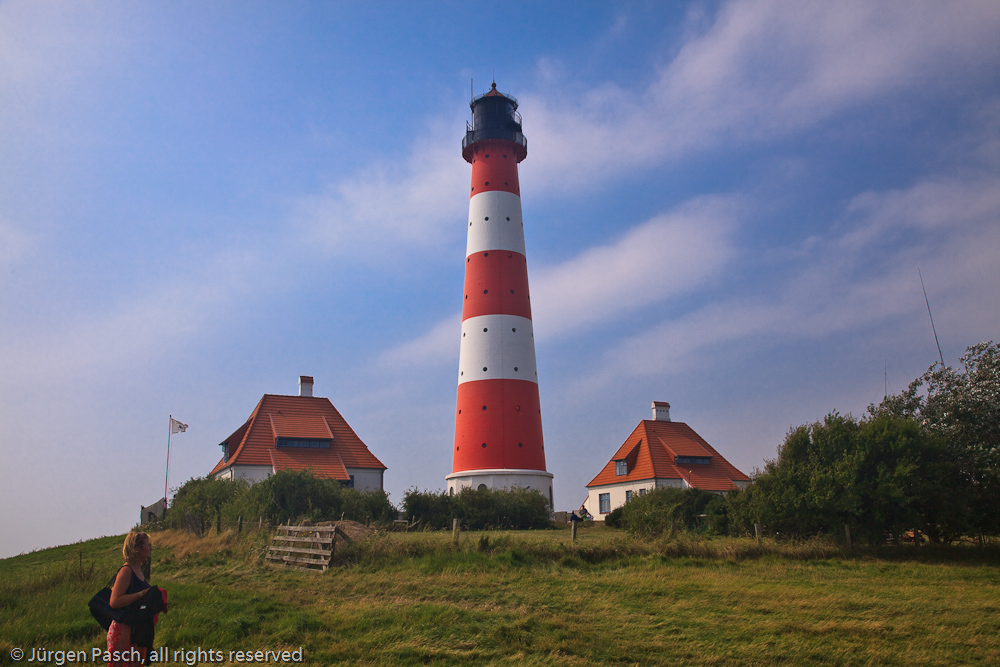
(366, 479)
(617, 492)
(249, 473)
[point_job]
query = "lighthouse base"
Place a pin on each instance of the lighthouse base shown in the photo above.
(501, 478)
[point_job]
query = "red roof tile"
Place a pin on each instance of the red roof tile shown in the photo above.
(650, 451)
(320, 461)
(298, 417)
(299, 426)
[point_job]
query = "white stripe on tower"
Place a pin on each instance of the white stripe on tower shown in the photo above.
(495, 223)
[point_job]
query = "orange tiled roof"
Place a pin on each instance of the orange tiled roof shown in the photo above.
(321, 462)
(299, 426)
(253, 443)
(650, 451)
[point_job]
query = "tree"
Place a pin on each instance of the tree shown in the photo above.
(963, 407)
(881, 475)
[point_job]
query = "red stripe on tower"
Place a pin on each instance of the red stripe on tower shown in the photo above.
(498, 421)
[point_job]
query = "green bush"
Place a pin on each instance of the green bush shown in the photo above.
(206, 497)
(431, 509)
(667, 510)
(479, 509)
(614, 518)
(286, 496)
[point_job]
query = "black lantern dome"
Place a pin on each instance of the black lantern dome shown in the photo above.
(494, 116)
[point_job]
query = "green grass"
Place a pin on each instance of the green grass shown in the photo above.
(532, 597)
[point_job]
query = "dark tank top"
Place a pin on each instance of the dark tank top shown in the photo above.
(135, 584)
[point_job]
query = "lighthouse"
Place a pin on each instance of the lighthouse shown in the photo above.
(498, 419)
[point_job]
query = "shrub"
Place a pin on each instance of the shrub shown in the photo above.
(479, 509)
(667, 510)
(283, 497)
(614, 519)
(431, 509)
(205, 497)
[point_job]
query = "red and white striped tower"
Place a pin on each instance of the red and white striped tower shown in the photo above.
(498, 421)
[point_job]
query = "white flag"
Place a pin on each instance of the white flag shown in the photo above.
(176, 426)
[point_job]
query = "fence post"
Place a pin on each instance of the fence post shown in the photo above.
(847, 534)
(239, 525)
(454, 530)
(572, 530)
(218, 523)
(756, 531)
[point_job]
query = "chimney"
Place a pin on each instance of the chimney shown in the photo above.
(661, 411)
(306, 385)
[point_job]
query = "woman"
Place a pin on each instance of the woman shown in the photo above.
(130, 586)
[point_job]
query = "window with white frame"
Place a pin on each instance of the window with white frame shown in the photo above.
(604, 500)
(621, 467)
(628, 495)
(642, 492)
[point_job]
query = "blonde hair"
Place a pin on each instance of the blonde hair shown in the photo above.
(130, 550)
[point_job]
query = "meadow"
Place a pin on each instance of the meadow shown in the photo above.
(534, 598)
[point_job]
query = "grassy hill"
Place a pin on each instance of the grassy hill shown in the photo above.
(533, 598)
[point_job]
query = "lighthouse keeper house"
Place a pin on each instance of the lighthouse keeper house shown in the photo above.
(660, 453)
(303, 432)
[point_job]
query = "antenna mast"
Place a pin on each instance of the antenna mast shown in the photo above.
(941, 356)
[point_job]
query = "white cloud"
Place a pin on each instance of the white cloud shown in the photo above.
(930, 205)
(437, 346)
(149, 324)
(14, 244)
(762, 70)
(392, 205)
(52, 54)
(658, 259)
(952, 232)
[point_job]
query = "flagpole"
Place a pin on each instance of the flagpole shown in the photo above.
(166, 475)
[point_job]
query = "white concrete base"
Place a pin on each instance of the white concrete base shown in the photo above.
(501, 478)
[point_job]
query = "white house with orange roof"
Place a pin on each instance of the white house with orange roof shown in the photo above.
(660, 453)
(303, 432)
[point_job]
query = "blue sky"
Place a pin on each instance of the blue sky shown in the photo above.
(725, 204)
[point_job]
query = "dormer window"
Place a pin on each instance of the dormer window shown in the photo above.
(225, 451)
(621, 467)
(280, 442)
(688, 460)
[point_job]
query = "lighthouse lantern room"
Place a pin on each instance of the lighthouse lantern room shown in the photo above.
(498, 420)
